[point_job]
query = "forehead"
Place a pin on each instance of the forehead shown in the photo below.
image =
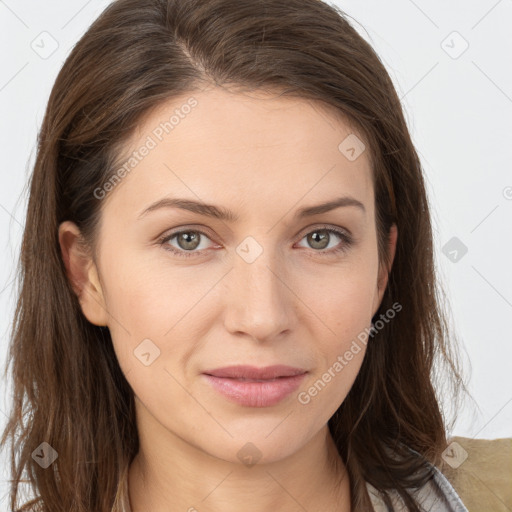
(252, 148)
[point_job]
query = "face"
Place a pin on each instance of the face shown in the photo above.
(185, 294)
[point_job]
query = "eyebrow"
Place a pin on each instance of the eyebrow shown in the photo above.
(224, 214)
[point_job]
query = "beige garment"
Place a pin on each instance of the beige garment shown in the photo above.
(484, 478)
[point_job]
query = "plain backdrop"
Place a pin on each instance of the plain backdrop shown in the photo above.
(451, 65)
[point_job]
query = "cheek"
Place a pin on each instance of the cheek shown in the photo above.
(340, 357)
(155, 310)
(345, 316)
(341, 299)
(323, 394)
(144, 294)
(340, 328)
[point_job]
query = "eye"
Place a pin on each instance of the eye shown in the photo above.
(187, 241)
(319, 240)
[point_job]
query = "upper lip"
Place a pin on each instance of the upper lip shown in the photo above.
(252, 372)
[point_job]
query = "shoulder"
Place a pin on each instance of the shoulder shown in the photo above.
(481, 471)
(437, 495)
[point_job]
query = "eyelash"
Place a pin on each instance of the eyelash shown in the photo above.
(347, 242)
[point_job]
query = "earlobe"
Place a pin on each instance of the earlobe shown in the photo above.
(82, 273)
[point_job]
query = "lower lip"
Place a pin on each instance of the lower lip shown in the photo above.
(253, 393)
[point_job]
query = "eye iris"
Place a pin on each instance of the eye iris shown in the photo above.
(188, 237)
(314, 238)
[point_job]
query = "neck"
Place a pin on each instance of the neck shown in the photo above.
(183, 477)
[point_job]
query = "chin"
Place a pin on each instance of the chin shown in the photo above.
(256, 446)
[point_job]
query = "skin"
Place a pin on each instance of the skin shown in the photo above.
(263, 157)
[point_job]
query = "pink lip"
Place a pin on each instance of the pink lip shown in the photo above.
(255, 387)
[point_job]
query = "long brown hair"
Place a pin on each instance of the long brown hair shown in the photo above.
(69, 390)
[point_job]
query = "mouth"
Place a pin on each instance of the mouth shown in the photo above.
(255, 387)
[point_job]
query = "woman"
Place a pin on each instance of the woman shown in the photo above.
(228, 298)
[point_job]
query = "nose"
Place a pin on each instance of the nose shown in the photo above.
(260, 303)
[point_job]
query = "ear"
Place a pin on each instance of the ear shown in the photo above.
(82, 273)
(384, 271)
